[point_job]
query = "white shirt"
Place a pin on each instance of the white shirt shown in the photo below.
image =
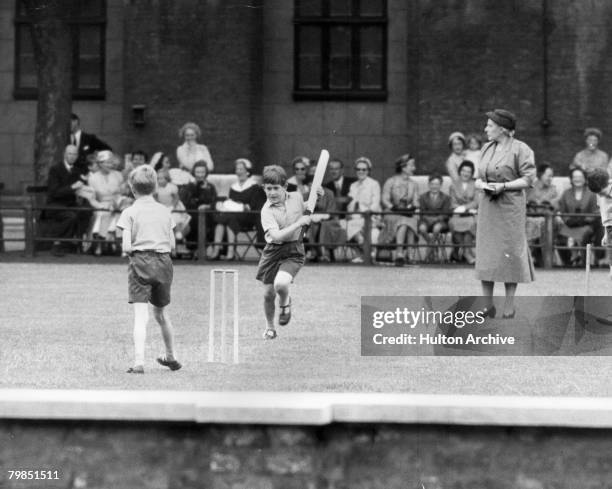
(150, 224)
(188, 154)
(76, 138)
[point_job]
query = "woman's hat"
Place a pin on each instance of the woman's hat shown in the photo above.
(592, 131)
(456, 135)
(247, 163)
(364, 159)
(503, 118)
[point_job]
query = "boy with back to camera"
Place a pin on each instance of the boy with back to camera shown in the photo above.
(148, 240)
(282, 220)
(598, 181)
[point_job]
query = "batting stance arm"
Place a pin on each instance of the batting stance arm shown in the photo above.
(276, 234)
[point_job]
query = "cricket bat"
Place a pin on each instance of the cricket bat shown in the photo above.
(317, 181)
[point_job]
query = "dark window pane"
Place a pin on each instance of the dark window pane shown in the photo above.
(371, 57)
(310, 73)
(309, 8)
(309, 68)
(90, 67)
(89, 73)
(90, 40)
(90, 8)
(21, 10)
(27, 67)
(371, 8)
(340, 7)
(340, 57)
(371, 40)
(310, 40)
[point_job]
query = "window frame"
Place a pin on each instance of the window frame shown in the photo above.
(31, 93)
(354, 21)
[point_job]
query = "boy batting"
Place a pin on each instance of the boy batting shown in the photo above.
(282, 219)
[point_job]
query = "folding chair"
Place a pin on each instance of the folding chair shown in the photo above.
(247, 242)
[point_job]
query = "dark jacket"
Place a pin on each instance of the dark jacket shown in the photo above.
(59, 183)
(88, 144)
(344, 191)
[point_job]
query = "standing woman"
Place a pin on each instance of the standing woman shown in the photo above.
(506, 169)
(456, 143)
(191, 151)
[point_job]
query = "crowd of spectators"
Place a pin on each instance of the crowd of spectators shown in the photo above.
(403, 219)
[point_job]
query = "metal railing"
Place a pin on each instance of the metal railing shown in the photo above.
(32, 236)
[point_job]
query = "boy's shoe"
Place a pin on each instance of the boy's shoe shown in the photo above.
(269, 334)
(171, 364)
(284, 317)
(137, 369)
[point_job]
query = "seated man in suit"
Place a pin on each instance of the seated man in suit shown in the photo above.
(64, 185)
(339, 184)
(87, 144)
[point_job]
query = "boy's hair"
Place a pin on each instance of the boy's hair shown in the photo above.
(435, 176)
(143, 180)
(597, 180)
(274, 175)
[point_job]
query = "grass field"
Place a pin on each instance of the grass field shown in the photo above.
(68, 325)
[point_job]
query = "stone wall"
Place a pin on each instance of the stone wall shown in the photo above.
(338, 456)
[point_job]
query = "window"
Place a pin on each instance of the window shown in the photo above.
(88, 29)
(340, 49)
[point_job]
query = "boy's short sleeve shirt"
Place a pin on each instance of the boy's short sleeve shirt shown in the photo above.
(150, 223)
(283, 214)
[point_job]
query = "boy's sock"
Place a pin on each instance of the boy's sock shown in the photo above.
(141, 318)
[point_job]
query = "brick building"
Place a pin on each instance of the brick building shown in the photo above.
(271, 79)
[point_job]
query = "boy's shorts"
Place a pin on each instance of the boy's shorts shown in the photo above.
(288, 257)
(150, 277)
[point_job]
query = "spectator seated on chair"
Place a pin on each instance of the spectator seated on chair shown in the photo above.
(64, 184)
(472, 153)
(167, 194)
(233, 214)
(400, 196)
(456, 143)
(107, 185)
(580, 229)
(300, 182)
(178, 176)
(364, 196)
(202, 196)
(328, 230)
(542, 198)
(435, 208)
(136, 159)
(339, 184)
(464, 202)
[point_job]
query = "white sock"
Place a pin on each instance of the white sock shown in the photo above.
(141, 318)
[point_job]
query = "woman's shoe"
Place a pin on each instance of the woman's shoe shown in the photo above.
(509, 316)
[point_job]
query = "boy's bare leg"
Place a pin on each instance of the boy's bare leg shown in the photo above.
(281, 287)
(161, 316)
(269, 298)
(141, 318)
